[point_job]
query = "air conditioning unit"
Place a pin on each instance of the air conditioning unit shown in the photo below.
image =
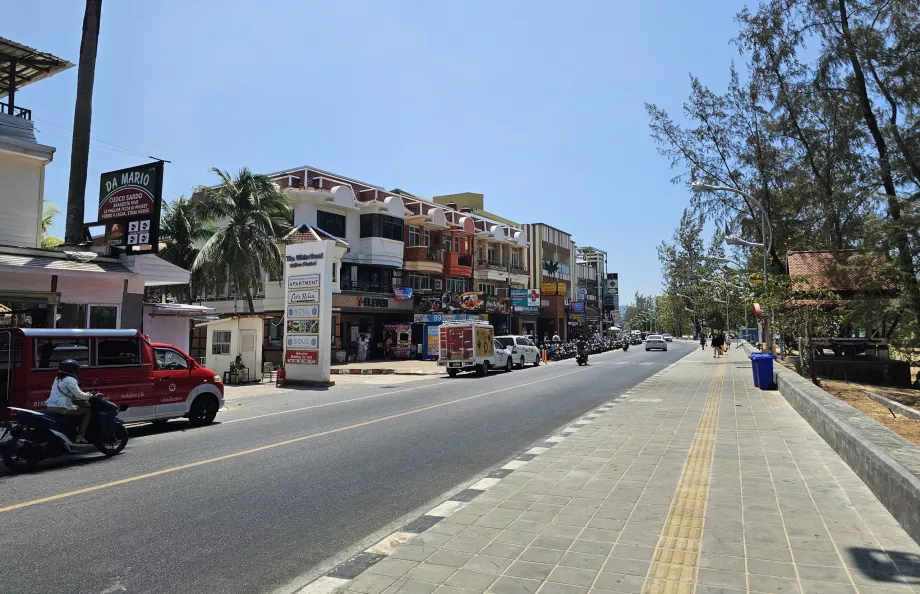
(438, 284)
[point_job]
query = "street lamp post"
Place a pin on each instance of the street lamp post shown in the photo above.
(766, 229)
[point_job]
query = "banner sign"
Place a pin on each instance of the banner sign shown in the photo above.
(303, 281)
(523, 309)
(578, 307)
(309, 341)
(303, 311)
(303, 296)
(129, 205)
(553, 288)
(303, 326)
(402, 293)
(519, 297)
(302, 357)
(582, 293)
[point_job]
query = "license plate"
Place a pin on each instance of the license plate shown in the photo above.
(455, 365)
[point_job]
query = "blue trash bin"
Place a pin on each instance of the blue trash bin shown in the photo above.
(753, 357)
(763, 370)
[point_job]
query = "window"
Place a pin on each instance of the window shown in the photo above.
(457, 243)
(419, 282)
(515, 259)
(220, 342)
(384, 226)
(427, 238)
(447, 243)
(456, 285)
(331, 222)
(169, 359)
(103, 316)
(118, 351)
(438, 284)
(51, 351)
(275, 331)
(506, 342)
(487, 289)
(521, 341)
(490, 254)
(413, 236)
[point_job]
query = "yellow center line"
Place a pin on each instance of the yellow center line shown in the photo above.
(271, 446)
(677, 553)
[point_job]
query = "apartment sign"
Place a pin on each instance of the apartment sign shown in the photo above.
(303, 281)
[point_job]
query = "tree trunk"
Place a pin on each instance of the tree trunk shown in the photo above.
(252, 307)
(82, 119)
(897, 230)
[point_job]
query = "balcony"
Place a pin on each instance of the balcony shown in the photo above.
(366, 286)
(456, 264)
(421, 258)
(492, 270)
(19, 112)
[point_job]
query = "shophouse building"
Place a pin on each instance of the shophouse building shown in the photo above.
(551, 257)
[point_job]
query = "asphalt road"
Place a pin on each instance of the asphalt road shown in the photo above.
(285, 483)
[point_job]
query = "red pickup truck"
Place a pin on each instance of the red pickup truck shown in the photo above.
(149, 381)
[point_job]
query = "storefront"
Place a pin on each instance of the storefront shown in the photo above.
(360, 323)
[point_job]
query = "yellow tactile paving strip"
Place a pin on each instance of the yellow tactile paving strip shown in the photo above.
(677, 554)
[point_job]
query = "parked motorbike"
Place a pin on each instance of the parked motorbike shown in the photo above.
(27, 436)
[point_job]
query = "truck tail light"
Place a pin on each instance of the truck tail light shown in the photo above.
(514, 350)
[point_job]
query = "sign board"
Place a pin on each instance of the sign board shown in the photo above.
(523, 309)
(302, 357)
(402, 293)
(578, 307)
(613, 282)
(308, 320)
(303, 281)
(129, 206)
(582, 293)
(552, 289)
(525, 298)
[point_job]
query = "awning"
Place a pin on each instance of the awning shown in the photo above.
(36, 263)
(31, 65)
(180, 310)
(156, 271)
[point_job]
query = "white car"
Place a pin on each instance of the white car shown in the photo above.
(655, 341)
(503, 357)
(523, 350)
(667, 337)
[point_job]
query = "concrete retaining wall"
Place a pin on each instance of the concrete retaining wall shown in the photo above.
(885, 461)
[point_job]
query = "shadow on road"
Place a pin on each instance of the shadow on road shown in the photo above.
(887, 566)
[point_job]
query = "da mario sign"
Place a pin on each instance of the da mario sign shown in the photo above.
(129, 206)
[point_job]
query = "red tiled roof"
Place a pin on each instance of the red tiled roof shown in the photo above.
(839, 271)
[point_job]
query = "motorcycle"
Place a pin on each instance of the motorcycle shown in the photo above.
(625, 346)
(582, 358)
(31, 436)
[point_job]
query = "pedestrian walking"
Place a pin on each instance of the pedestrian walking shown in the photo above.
(716, 347)
(702, 341)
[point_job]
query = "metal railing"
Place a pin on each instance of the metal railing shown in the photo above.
(19, 112)
(366, 286)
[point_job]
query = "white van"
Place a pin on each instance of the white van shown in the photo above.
(523, 350)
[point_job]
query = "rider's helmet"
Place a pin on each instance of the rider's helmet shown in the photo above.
(69, 367)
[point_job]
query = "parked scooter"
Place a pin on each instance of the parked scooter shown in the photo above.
(27, 437)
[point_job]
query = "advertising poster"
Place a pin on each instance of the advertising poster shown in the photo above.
(550, 288)
(130, 201)
(303, 326)
(519, 297)
(402, 293)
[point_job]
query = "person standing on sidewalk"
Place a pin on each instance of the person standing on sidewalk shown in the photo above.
(716, 346)
(702, 341)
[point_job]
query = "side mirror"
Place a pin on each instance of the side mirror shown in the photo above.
(192, 364)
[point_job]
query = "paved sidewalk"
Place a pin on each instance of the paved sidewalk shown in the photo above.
(405, 367)
(694, 481)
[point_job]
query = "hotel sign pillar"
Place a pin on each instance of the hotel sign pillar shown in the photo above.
(308, 312)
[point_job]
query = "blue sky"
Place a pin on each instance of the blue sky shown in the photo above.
(536, 104)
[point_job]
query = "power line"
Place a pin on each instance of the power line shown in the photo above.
(117, 146)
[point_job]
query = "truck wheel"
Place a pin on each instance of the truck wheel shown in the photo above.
(482, 369)
(452, 372)
(203, 411)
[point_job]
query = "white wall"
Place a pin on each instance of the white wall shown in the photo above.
(21, 188)
(172, 330)
(221, 363)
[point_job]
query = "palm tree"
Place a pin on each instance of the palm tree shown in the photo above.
(82, 120)
(253, 212)
(184, 228)
(49, 212)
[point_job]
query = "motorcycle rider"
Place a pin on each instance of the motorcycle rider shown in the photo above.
(582, 347)
(68, 398)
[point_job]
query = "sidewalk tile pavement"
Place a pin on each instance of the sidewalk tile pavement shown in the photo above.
(693, 481)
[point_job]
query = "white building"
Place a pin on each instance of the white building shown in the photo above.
(82, 287)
